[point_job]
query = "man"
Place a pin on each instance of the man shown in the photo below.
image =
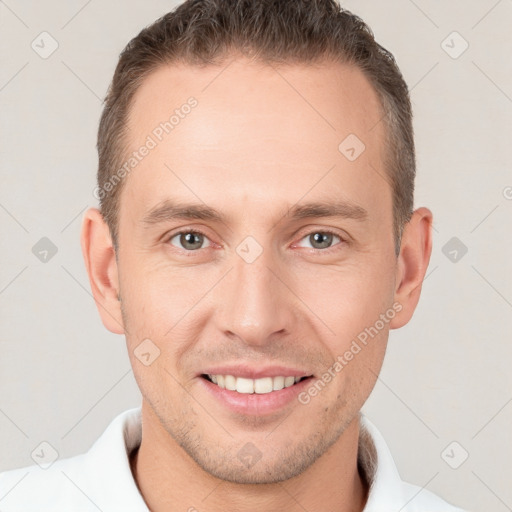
(256, 242)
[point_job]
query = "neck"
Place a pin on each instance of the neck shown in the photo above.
(169, 480)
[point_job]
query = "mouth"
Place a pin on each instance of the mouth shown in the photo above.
(260, 386)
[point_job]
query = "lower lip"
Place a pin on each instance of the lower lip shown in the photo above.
(256, 404)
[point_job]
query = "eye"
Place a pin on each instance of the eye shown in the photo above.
(320, 239)
(189, 240)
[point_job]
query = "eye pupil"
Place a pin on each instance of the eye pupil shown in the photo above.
(191, 240)
(323, 239)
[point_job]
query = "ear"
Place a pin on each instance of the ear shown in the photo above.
(101, 265)
(415, 250)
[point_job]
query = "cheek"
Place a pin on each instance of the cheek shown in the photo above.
(156, 297)
(348, 299)
(163, 305)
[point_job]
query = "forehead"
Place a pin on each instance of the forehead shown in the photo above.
(261, 131)
(329, 97)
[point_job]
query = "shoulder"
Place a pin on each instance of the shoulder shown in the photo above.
(100, 479)
(32, 487)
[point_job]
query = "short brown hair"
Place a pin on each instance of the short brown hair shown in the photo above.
(202, 32)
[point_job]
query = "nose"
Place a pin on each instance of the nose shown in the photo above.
(256, 303)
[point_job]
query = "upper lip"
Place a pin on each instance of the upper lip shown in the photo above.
(252, 372)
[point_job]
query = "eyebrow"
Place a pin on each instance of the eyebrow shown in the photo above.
(169, 210)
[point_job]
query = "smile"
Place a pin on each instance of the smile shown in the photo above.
(260, 386)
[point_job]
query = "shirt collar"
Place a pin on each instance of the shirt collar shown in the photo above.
(378, 466)
(108, 459)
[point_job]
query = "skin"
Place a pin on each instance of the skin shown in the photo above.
(252, 149)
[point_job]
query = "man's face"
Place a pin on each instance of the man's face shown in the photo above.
(262, 292)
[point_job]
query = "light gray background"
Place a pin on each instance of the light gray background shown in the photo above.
(447, 375)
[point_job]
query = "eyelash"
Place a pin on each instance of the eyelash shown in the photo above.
(323, 231)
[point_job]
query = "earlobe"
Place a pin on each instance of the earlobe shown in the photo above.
(101, 265)
(412, 264)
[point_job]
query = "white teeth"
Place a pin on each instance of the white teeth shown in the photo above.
(249, 386)
(244, 385)
(289, 381)
(230, 382)
(278, 383)
(264, 385)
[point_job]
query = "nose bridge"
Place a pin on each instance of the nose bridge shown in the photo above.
(257, 304)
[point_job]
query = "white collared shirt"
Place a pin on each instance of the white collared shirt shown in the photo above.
(101, 479)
